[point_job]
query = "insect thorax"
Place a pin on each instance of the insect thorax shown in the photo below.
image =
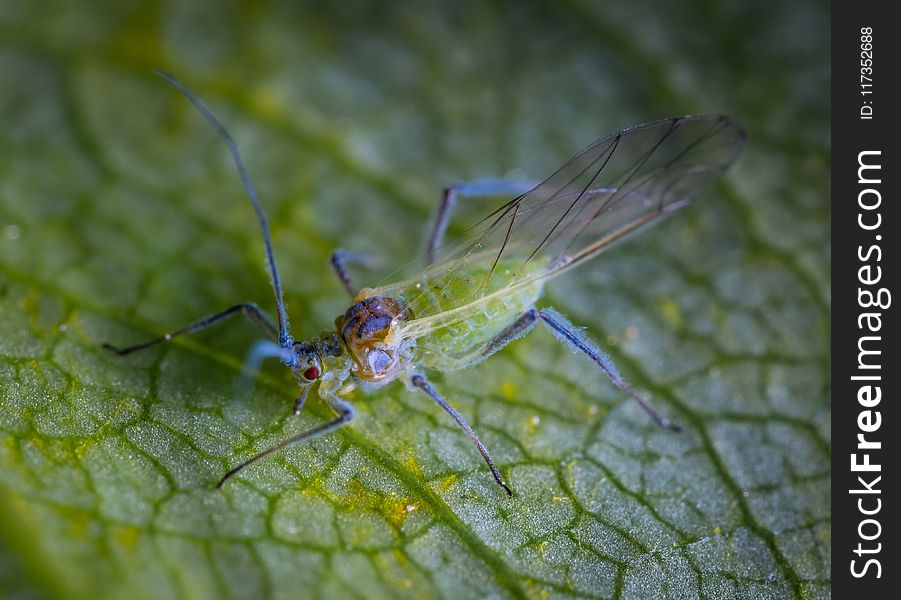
(364, 329)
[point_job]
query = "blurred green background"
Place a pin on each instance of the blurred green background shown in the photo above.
(121, 216)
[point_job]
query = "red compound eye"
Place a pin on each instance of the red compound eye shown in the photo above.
(311, 373)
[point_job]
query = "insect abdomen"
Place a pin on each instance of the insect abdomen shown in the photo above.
(459, 340)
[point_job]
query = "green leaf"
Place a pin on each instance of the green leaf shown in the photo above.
(121, 217)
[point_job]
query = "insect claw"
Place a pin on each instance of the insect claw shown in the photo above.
(298, 404)
(671, 426)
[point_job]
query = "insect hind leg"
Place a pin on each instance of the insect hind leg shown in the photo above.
(248, 309)
(516, 329)
(468, 189)
(567, 333)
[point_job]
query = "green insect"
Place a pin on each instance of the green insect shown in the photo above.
(473, 297)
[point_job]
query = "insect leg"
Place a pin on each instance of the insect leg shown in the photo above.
(420, 382)
(301, 399)
(345, 414)
(260, 351)
(567, 333)
(248, 309)
(517, 329)
(469, 189)
(340, 259)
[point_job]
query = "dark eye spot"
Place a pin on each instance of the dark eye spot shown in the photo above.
(311, 373)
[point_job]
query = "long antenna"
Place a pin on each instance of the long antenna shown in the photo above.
(284, 338)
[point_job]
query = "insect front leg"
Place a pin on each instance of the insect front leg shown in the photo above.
(345, 414)
(251, 368)
(568, 334)
(469, 189)
(301, 400)
(248, 309)
(422, 383)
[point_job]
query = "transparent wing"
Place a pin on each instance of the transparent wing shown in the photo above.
(613, 187)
